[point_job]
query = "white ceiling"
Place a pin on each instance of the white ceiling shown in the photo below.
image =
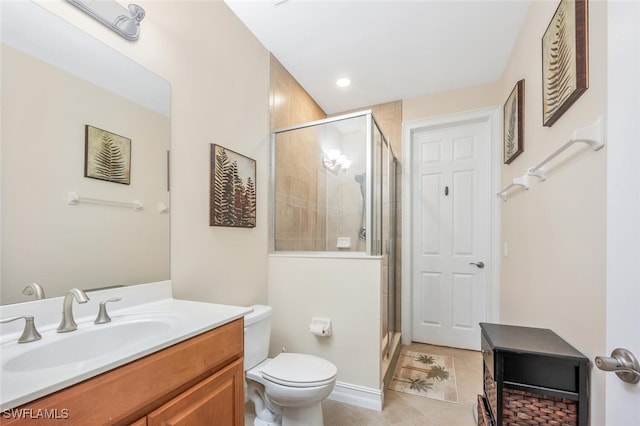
(390, 49)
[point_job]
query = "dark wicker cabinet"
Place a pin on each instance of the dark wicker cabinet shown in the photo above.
(531, 377)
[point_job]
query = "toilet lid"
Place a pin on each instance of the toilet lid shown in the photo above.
(299, 370)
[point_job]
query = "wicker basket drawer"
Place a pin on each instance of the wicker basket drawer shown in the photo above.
(533, 409)
(484, 416)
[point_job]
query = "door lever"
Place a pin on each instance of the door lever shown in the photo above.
(623, 363)
(478, 264)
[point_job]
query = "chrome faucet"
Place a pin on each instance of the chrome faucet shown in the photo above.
(34, 288)
(67, 323)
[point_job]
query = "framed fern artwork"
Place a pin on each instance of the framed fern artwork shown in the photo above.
(514, 123)
(107, 156)
(565, 74)
(232, 200)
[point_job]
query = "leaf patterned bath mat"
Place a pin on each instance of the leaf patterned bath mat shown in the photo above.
(432, 376)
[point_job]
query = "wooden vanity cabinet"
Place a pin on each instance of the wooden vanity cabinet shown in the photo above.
(213, 401)
(195, 382)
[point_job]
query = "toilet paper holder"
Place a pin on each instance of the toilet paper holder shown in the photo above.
(320, 327)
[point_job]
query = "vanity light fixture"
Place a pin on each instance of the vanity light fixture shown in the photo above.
(334, 161)
(113, 15)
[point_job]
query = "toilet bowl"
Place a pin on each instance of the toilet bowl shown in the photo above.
(288, 389)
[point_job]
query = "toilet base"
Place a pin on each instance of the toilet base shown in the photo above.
(299, 416)
(302, 416)
(258, 422)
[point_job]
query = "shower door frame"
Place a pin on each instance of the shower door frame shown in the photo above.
(387, 245)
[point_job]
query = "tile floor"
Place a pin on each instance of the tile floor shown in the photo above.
(403, 409)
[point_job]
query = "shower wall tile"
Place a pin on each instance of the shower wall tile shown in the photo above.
(290, 104)
(283, 244)
(296, 183)
(306, 245)
(289, 216)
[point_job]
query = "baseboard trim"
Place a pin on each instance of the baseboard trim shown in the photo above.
(359, 396)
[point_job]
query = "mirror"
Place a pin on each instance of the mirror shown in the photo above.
(56, 81)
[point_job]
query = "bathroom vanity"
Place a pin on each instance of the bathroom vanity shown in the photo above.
(177, 385)
(159, 361)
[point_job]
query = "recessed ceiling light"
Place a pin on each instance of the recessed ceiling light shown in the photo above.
(343, 82)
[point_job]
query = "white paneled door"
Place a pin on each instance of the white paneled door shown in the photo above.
(451, 232)
(623, 207)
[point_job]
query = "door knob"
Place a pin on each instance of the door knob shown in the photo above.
(623, 363)
(478, 264)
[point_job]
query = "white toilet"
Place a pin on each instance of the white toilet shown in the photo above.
(286, 390)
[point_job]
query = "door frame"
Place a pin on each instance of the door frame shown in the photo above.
(493, 117)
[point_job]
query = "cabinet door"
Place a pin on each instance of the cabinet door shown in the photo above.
(217, 400)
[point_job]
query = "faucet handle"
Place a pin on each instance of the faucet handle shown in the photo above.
(34, 289)
(103, 317)
(29, 334)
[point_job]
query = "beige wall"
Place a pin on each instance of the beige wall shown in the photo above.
(347, 291)
(554, 274)
(44, 240)
(456, 101)
(219, 75)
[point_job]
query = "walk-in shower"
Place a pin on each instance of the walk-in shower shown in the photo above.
(330, 186)
(333, 193)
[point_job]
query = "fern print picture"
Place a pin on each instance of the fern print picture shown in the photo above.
(232, 199)
(107, 156)
(513, 121)
(564, 59)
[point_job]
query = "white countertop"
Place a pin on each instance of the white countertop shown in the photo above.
(184, 319)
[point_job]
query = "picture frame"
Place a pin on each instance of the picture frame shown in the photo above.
(232, 200)
(565, 62)
(513, 120)
(107, 156)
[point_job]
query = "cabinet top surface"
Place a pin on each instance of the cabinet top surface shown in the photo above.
(529, 340)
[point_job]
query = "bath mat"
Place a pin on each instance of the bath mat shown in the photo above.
(431, 376)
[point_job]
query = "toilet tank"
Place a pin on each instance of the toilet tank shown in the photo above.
(257, 332)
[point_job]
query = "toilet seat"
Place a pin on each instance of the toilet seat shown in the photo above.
(299, 370)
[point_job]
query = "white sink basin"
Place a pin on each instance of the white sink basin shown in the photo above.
(80, 346)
